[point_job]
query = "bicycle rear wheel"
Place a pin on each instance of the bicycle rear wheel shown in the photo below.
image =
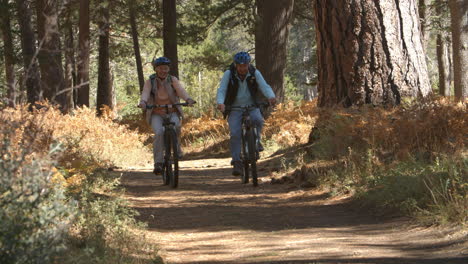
(174, 164)
(252, 155)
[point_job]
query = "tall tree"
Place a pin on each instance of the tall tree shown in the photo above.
(443, 49)
(9, 53)
(136, 44)
(271, 37)
(369, 52)
(83, 61)
(28, 44)
(170, 34)
(424, 21)
(70, 63)
(459, 24)
(104, 89)
(50, 54)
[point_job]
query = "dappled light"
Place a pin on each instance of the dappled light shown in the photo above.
(240, 131)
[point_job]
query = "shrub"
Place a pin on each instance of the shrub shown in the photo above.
(35, 213)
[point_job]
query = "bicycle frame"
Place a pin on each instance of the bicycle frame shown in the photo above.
(249, 143)
(170, 172)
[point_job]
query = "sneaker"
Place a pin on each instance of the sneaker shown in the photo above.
(237, 168)
(158, 168)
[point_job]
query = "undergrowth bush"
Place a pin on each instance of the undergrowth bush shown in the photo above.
(35, 214)
(105, 230)
(435, 192)
(410, 158)
(57, 204)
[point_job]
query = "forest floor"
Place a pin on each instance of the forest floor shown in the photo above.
(213, 218)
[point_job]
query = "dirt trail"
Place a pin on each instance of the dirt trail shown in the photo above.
(213, 218)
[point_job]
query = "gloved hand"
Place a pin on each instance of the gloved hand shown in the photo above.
(190, 101)
(142, 104)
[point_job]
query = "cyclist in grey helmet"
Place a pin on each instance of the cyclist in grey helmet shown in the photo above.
(238, 87)
(162, 88)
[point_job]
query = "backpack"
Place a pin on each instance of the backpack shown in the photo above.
(153, 83)
(234, 84)
(153, 93)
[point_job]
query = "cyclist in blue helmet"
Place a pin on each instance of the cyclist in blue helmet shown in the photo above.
(239, 86)
(162, 88)
(161, 61)
(242, 58)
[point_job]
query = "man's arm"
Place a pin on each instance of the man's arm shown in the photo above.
(223, 86)
(263, 86)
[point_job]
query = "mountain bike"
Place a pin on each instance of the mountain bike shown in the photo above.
(250, 143)
(170, 170)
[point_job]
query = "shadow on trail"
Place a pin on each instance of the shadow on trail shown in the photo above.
(354, 261)
(215, 205)
(211, 199)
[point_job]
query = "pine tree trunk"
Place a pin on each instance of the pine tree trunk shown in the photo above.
(50, 54)
(84, 49)
(104, 90)
(424, 20)
(31, 78)
(459, 24)
(136, 45)
(170, 34)
(369, 52)
(70, 63)
(443, 65)
(271, 39)
(442, 50)
(9, 53)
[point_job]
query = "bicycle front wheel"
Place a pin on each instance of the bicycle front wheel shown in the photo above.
(245, 175)
(167, 168)
(174, 160)
(251, 140)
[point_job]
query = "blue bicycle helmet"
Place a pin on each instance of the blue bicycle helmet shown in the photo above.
(242, 58)
(161, 61)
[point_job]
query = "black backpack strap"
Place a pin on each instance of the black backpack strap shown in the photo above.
(252, 83)
(169, 80)
(252, 70)
(153, 82)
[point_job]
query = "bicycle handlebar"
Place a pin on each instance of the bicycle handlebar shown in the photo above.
(265, 104)
(167, 105)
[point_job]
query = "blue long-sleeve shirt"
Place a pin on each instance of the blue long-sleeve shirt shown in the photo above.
(243, 95)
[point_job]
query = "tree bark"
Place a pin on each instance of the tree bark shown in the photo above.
(369, 52)
(70, 63)
(50, 54)
(424, 21)
(271, 39)
(459, 24)
(104, 89)
(443, 65)
(170, 34)
(31, 78)
(8, 53)
(84, 49)
(442, 50)
(136, 44)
